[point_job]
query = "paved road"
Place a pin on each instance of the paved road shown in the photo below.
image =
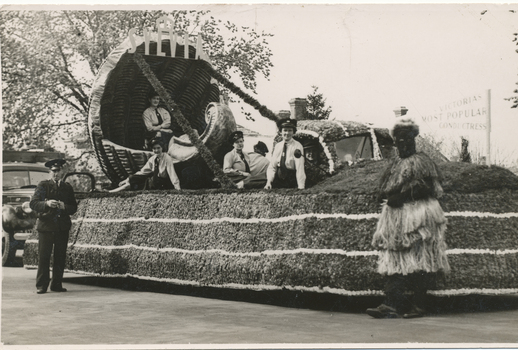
(108, 311)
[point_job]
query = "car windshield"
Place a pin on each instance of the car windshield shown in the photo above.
(22, 178)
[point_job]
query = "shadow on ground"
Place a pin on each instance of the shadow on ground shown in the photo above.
(301, 299)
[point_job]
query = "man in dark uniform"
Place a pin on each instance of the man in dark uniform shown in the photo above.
(54, 201)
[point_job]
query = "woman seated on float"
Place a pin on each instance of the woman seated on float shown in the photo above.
(286, 168)
(260, 148)
(157, 174)
(246, 170)
(157, 121)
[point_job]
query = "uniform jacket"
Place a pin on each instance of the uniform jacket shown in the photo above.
(53, 219)
(292, 162)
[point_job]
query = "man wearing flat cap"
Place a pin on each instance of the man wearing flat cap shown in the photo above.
(286, 168)
(54, 201)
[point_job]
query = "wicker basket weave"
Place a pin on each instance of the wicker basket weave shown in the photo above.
(120, 96)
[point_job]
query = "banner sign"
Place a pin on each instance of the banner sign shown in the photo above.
(465, 115)
(468, 117)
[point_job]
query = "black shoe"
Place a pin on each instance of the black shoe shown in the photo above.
(41, 291)
(415, 312)
(383, 311)
(59, 289)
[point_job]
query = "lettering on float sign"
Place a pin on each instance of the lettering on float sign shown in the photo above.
(459, 114)
(164, 32)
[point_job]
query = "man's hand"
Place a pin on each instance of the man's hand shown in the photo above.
(268, 186)
(61, 205)
(52, 203)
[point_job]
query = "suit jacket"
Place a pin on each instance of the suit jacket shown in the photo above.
(53, 219)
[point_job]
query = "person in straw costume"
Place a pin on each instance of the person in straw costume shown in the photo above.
(410, 233)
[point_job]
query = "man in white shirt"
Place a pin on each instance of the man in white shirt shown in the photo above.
(157, 174)
(286, 168)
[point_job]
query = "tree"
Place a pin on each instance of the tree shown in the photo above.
(514, 99)
(50, 59)
(465, 155)
(316, 106)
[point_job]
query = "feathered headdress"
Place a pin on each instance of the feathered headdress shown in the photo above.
(404, 129)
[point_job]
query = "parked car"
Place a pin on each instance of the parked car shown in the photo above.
(21, 173)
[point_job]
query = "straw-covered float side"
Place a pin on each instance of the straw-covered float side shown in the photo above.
(318, 239)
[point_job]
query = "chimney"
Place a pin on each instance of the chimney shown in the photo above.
(401, 111)
(283, 114)
(298, 108)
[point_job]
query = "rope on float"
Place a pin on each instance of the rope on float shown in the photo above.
(263, 110)
(184, 124)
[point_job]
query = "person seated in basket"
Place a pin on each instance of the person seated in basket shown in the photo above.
(158, 123)
(157, 174)
(286, 168)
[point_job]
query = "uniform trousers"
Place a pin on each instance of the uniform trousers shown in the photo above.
(289, 180)
(150, 182)
(48, 240)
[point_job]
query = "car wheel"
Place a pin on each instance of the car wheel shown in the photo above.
(6, 242)
(9, 248)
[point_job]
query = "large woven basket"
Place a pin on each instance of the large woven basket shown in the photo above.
(120, 96)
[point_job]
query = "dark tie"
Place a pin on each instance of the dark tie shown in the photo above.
(247, 167)
(159, 117)
(283, 171)
(157, 162)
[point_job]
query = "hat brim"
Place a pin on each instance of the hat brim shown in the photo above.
(51, 164)
(287, 126)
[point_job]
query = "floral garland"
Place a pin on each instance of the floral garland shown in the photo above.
(344, 128)
(263, 110)
(177, 114)
(376, 148)
(328, 154)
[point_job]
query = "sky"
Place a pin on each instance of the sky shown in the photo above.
(369, 59)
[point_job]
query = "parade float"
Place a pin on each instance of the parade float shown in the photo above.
(312, 240)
